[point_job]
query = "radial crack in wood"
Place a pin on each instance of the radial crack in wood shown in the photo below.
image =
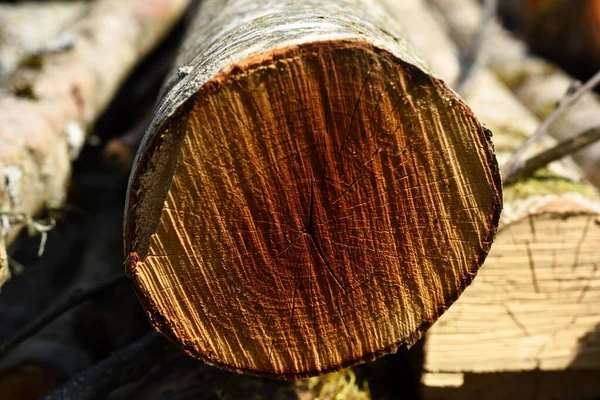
(317, 203)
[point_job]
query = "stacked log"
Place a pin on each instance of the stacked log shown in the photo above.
(532, 307)
(307, 196)
(48, 106)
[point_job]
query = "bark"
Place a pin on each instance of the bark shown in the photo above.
(47, 110)
(533, 303)
(537, 83)
(31, 29)
(307, 196)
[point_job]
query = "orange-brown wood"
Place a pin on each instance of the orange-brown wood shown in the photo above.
(329, 202)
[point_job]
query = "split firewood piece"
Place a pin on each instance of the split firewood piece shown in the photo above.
(534, 300)
(307, 197)
(46, 110)
(539, 84)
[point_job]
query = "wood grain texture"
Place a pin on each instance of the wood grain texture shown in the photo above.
(311, 206)
(533, 304)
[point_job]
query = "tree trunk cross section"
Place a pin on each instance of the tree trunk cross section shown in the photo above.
(316, 203)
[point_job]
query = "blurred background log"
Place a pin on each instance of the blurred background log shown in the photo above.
(48, 108)
(537, 83)
(533, 304)
(29, 29)
(301, 229)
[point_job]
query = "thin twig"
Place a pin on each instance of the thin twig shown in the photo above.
(122, 367)
(570, 98)
(72, 300)
(563, 148)
(473, 59)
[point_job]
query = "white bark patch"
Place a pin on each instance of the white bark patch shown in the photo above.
(12, 176)
(185, 70)
(75, 138)
(4, 225)
(63, 42)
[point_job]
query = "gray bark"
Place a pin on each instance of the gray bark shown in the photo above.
(226, 32)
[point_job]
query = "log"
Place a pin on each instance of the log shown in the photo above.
(532, 305)
(536, 82)
(30, 29)
(47, 110)
(307, 196)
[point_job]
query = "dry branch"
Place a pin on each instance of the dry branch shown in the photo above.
(47, 110)
(537, 83)
(535, 297)
(563, 107)
(307, 196)
(474, 59)
(560, 150)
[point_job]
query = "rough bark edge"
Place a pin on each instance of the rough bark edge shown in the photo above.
(161, 173)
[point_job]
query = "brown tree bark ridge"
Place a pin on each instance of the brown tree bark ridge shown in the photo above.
(47, 108)
(307, 197)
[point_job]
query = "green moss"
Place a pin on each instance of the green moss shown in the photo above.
(340, 385)
(545, 182)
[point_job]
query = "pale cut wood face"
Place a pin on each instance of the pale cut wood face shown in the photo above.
(534, 305)
(328, 203)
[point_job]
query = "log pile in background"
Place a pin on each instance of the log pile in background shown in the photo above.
(307, 196)
(538, 84)
(30, 29)
(533, 304)
(48, 107)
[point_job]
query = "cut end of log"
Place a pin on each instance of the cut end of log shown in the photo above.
(535, 299)
(325, 203)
